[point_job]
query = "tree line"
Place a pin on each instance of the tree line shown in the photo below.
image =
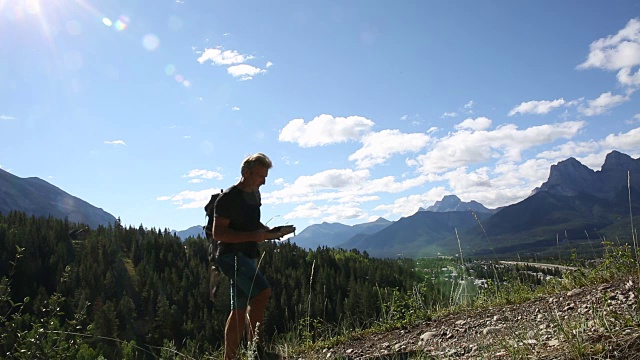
(126, 292)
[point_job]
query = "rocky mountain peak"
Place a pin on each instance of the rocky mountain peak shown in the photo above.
(453, 203)
(616, 160)
(570, 170)
(570, 177)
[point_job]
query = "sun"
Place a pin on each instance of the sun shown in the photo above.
(45, 12)
(26, 10)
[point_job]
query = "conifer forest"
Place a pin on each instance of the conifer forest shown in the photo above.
(126, 292)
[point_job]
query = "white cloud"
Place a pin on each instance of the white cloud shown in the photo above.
(190, 199)
(244, 71)
(575, 102)
(569, 149)
(623, 141)
(339, 184)
(328, 213)
(415, 119)
(408, 205)
(325, 129)
(505, 183)
(268, 64)
(289, 161)
(480, 123)
(536, 107)
(218, 56)
(466, 147)
(469, 105)
(7, 117)
(235, 108)
(330, 179)
(195, 181)
(379, 146)
(449, 114)
(626, 77)
(602, 104)
(237, 68)
(357, 199)
(617, 52)
(592, 153)
(459, 179)
(115, 142)
(203, 175)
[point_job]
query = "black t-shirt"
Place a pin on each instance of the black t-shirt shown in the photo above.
(242, 208)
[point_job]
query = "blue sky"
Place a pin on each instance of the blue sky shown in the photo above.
(367, 108)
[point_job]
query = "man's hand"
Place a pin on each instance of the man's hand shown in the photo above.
(279, 231)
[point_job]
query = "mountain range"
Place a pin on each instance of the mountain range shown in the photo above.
(37, 197)
(574, 210)
(193, 231)
(453, 203)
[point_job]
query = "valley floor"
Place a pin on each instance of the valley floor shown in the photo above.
(595, 322)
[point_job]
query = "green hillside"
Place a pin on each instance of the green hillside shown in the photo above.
(140, 290)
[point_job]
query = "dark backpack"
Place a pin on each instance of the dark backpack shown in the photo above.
(214, 272)
(208, 228)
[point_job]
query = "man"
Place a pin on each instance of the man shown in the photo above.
(238, 230)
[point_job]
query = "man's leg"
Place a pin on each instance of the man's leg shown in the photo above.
(255, 312)
(233, 333)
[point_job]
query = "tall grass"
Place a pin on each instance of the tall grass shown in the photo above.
(634, 234)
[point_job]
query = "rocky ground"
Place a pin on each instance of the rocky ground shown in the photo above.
(596, 322)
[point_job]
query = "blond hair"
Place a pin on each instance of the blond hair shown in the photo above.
(256, 159)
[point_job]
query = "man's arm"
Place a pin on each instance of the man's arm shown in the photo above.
(222, 232)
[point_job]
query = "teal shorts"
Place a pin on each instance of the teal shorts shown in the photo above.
(246, 280)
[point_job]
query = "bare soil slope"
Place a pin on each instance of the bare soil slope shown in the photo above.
(595, 322)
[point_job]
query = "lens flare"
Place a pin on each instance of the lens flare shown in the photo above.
(122, 23)
(169, 69)
(150, 42)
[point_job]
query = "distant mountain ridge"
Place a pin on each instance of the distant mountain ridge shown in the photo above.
(361, 236)
(453, 203)
(420, 234)
(334, 234)
(193, 231)
(37, 197)
(570, 177)
(576, 205)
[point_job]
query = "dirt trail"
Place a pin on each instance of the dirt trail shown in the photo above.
(601, 320)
